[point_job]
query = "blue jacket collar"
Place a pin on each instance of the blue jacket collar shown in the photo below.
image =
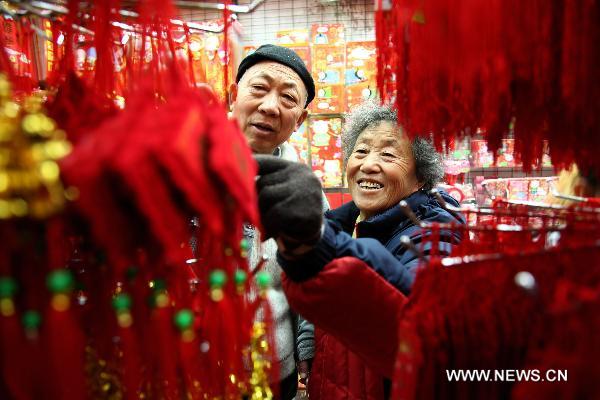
(383, 225)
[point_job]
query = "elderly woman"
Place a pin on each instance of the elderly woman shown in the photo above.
(349, 273)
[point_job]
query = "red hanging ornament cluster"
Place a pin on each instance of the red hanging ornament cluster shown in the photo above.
(519, 295)
(101, 293)
(459, 68)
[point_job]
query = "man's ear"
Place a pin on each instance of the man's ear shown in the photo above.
(301, 118)
(233, 92)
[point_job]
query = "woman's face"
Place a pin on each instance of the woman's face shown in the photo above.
(381, 169)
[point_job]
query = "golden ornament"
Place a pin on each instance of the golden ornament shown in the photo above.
(30, 148)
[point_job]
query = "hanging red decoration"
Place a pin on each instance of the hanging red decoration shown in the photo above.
(509, 300)
(459, 68)
(129, 309)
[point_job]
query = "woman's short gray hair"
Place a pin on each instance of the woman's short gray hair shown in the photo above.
(428, 162)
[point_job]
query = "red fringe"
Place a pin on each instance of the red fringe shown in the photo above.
(105, 76)
(13, 365)
(464, 65)
(219, 328)
(453, 322)
(133, 176)
(65, 345)
(166, 362)
(189, 354)
(131, 364)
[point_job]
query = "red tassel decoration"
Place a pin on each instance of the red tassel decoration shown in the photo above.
(64, 340)
(189, 352)
(467, 67)
(131, 360)
(12, 363)
(219, 337)
(134, 187)
(164, 347)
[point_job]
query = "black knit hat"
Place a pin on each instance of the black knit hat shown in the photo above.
(282, 55)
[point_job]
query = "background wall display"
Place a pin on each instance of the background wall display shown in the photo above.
(293, 37)
(482, 157)
(519, 189)
(328, 34)
(326, 150)
(328, 70)
(361, 76)
(264, 23)
(215, 60)
(299, 140)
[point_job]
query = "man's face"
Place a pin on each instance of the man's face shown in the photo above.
(268, 104)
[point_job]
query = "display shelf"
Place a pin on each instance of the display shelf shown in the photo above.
(504, 172)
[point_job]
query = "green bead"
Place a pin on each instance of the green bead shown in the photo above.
(244, 244)
(240, 277)
(184, 319)
(121, 302)
(263, 280)
(217, 278)
(31, 319)
(8, 287)
(60, 281)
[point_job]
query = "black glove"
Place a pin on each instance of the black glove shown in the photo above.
(290, 200)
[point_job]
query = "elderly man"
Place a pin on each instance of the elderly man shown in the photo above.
(269, 100)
